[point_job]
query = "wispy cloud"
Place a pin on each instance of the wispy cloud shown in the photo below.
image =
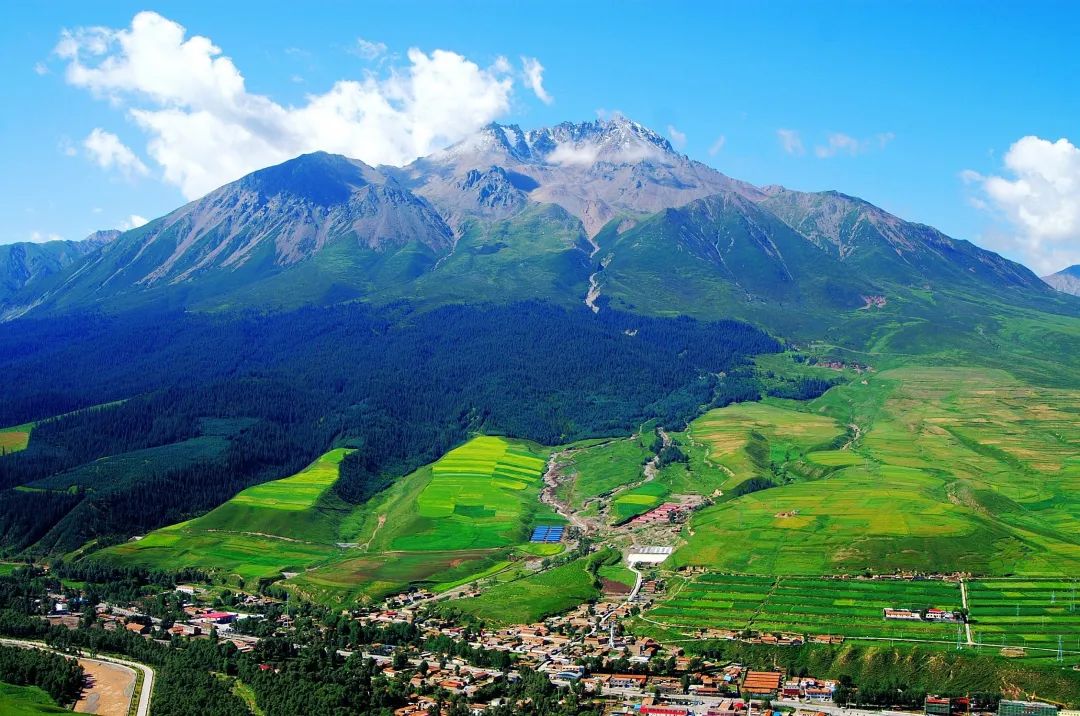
(40, 237)
(678, 139)
(368, 49)
(718, 145)
(840, 143)
(791, 141)
(133, 221)
(534, 78)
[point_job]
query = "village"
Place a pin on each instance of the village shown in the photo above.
(585, 650)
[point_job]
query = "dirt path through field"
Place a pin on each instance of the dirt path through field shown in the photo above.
(367, 545)
(108, 689)
(856, 433)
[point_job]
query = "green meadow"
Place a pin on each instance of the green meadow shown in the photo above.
(597, 470)
(27, 701)
(460, 518)
(953, 469)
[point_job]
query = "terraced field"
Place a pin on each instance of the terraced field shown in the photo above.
(954, 469)
(1026, 612)
(808, 605)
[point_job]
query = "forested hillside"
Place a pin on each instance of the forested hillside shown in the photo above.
(208, 405)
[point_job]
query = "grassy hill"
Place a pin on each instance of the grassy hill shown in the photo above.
(283, 525)
(953, 469)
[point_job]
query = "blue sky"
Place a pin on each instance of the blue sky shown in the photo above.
(917, 107)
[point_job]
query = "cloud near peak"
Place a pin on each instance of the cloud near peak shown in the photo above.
(1037, 202)
(204, 128)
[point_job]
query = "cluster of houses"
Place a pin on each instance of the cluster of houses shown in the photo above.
(920, 615)
(666, 513)
(781, 638)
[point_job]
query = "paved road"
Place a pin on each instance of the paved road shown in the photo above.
(835, 710)
(148, 673)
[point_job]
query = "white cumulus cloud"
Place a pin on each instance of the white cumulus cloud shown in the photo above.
(534, 78)
(106, 149)
(1038, 200)
(791, 141)
(204, 128)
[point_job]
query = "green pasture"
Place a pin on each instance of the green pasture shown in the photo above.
(442, 525)
(597, 470)
(955, 469)
(638, 501)
(536, 596)
(301, 507)
(762, 440)
(280, 526)
(240, 554)
(374, 576)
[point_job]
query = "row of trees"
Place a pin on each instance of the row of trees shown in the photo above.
(60, 677)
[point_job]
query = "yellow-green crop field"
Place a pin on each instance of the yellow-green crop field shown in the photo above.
(15, 438)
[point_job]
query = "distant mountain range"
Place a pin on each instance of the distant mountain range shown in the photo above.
(26, 262)
(1066, 280)
(605, 212)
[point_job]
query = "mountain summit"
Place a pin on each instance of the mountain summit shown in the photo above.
(601, 212)
(595, 170)
(1066, 280)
